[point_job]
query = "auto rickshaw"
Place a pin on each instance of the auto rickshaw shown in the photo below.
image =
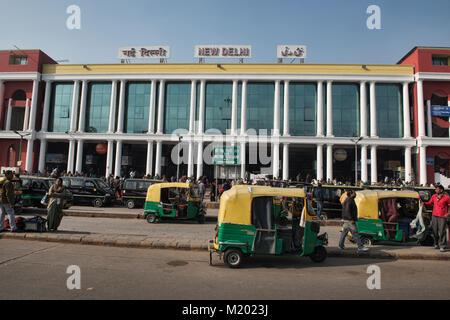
(391, 216)
(173, 200)
(247, 226)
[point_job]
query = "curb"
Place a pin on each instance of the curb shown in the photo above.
(155, 243)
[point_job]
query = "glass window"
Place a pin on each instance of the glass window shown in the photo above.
(302, 109)
(90, 184)
(177, 106)
(218, 106)
(137, 107)
(13, 59)
(60, 106)
(260, 103)
(97, 109)
(345, 110)
(389, 110)
(440, 61)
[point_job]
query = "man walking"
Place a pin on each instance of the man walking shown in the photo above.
(349, 215)
(319, 200)
(440, 202)
(7, 202)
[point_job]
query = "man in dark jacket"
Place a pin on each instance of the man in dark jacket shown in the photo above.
(349, 215)
(319, 200)
(7, 201)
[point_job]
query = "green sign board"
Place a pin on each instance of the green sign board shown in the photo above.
(227, 156)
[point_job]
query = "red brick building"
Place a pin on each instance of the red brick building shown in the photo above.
(431, 90)
(21, 95)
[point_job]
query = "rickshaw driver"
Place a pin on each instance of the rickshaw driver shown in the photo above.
(297, 209)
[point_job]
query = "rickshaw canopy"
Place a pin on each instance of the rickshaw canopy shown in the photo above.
(154, 191)
(235, 204)
(367, 200)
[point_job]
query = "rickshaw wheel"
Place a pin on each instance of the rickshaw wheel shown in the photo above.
(98, 202)
(130, 204)
(233, 257)
(319, 254)
(366, 241)
(151, 218)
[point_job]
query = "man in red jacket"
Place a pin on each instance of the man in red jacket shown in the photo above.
(440, 202)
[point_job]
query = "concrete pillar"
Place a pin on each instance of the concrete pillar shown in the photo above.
(363, 106)
(29, 158)
(79, 163)
(423, 165)
(330, 162)
(286, 161)
(364, 172)
(373, 165)
(319, 162)
(46, 110)
(420, 109)
(160, 129)
(286, 129)
(8, 115)
(74, 108)
(320, 109)
(33, 110)
(408, 176)
(330, 109)
(276, 110)
(42, 153)
(82, 115)
(149, 166)
(112, 109)
(151, 116)
(199, 160)
(71, 156)
(26, 115)
(234, 104)
(243, 160)
(373, 111)
(121, 114)
(406, 115)
(109, 158)
(276, 159)
(429, 123)
(118, 162)
(193, 106)
(244, 107)
(190, 171)
(201, 112)
(158, 158)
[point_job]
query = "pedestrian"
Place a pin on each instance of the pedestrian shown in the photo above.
(7, 200)
(349, 215)
(319, 200)
(213, 192)
(57, 196)
(201, 188)
(440, 202)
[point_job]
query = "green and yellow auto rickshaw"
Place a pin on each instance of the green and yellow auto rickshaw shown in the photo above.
(386, 215)
(174, 200)
(247, 226)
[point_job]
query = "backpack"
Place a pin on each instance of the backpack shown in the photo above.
(37, 224)
(20, 223)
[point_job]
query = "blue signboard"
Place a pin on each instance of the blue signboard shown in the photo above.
(440, 111)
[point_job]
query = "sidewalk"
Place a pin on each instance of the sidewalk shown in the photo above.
(186, 235)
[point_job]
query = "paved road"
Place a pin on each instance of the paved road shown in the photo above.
(37, 270)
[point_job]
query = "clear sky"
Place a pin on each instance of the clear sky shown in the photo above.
(334, 31)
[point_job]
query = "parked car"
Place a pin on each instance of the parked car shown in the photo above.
(34, 189)
(134, 191)
(89, 191)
